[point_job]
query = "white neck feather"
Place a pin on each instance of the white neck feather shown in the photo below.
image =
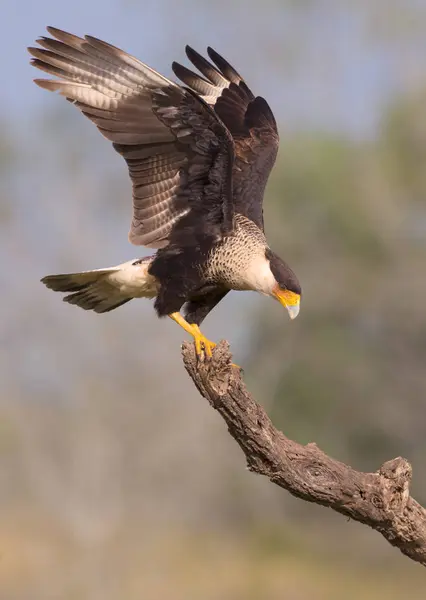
(259, 276)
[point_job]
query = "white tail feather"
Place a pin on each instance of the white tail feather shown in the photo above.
(103, 290)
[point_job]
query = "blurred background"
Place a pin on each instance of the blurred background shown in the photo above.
(117, 481)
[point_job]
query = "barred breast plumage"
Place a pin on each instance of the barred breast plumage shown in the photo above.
(231, 262)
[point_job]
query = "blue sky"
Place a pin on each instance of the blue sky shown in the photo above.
(329, 67)
(324, 65)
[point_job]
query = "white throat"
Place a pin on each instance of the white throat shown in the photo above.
(259, 276)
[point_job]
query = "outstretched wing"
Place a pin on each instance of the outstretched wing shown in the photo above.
(249, 120)
(179, 154)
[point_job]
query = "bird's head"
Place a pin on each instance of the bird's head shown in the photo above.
(286, 287)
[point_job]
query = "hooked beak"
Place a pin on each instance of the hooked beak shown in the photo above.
(288, 299)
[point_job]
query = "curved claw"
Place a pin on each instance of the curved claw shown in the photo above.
(202, 344)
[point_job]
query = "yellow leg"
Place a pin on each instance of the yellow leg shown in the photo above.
(201, 342)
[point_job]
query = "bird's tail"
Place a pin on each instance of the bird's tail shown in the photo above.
(104, 289)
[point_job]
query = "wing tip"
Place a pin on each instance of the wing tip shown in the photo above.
(55, 32)
(212, 52)
(175, 67)
(224, 66)
(190, 50)
(52, 29)
(43, 83)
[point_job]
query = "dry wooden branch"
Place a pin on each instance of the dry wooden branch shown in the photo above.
(381, 500)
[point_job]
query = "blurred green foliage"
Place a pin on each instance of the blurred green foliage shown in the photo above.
(116, 480)
(342, 214)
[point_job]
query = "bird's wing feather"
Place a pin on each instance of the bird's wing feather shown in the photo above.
(178, 152)
(250, 121)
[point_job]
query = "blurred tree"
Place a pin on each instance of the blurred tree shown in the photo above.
(351, 368)
(115, 480)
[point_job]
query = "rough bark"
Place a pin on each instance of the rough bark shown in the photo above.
(381, 500)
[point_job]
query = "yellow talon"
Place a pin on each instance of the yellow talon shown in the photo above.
(201, 342)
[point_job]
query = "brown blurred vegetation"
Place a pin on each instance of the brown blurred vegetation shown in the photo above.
(116, 479)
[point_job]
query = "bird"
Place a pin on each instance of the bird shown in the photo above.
(199, 153)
